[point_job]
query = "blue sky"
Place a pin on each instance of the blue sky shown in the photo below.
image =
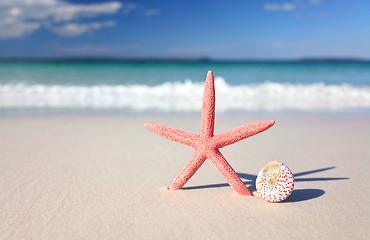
(234, 29)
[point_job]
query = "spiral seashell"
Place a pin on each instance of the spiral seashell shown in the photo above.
(275, 182)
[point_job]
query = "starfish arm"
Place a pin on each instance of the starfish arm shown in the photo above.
(228, 173)
(173, 134)
(188, 171)
(208, 108)
(239, 133)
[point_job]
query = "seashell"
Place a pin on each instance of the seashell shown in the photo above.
(275, 182)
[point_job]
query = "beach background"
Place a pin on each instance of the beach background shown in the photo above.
(76, 161)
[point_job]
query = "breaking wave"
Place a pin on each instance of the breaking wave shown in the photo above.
(187, 96)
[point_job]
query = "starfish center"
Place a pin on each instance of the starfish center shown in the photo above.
(205, 145)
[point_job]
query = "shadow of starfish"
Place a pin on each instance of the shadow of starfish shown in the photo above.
(250, 179)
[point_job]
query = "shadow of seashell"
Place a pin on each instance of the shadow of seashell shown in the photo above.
(300, 195)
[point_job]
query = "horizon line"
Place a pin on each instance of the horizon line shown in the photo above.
(182, 59)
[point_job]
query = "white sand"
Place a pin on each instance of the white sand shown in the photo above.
(105, 177)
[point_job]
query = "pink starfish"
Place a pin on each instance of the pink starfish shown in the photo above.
(207, 145)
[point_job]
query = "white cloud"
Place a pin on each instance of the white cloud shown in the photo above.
(74, 29)
(21, 17)
(9, 29)
(152, 12)
(279, 7)
(75, 11)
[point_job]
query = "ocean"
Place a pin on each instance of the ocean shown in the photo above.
(177, 86)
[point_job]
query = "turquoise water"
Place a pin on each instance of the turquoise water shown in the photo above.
(177, 86)
(152, 73)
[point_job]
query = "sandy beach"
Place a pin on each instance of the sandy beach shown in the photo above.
(91, 176)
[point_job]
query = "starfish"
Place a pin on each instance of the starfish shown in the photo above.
(207, 144)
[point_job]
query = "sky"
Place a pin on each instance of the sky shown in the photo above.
(217, 29)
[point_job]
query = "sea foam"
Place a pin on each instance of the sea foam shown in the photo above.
(187, 96)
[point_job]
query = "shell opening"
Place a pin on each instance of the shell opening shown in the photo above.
(271, 169)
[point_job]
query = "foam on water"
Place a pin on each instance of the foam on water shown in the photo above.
(187, 96)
